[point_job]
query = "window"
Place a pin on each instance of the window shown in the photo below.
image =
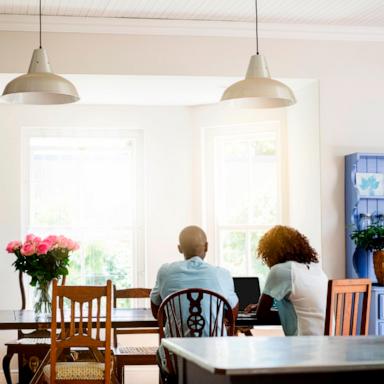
(87, 186)
(245, 194)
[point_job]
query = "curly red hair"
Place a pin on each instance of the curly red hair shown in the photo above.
(282, 244)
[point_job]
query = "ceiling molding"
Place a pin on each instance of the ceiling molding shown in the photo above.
(189, 28)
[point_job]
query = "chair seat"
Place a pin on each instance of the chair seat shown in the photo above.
(76, 371)
(125, 350)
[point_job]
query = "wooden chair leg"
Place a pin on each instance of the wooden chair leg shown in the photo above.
(119, 369)
(114, 379)
(38, 377)
(6, 367)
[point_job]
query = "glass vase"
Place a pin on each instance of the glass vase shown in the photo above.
(43, 304)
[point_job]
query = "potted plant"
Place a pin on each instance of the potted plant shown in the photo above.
(372, 239)
(43, 260)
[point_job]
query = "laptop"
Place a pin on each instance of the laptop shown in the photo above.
(248, 292)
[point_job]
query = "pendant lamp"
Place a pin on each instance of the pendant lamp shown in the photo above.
(40, 85)
(258, 90)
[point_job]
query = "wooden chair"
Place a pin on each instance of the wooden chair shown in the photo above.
(31, 347)
(348, 304)
(193, 312)
(128, 355)
(83, 331)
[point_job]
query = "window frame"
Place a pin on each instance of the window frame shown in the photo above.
(211, 135)
(27, 133)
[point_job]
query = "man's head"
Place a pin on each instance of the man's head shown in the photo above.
(193, 242)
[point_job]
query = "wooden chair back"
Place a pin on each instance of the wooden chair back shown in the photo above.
(348, 303)
(22, 290)
(130, 293)
(194, 312)
(84, 328)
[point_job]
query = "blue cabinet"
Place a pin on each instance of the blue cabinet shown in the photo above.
(363, 206)
(376, 318)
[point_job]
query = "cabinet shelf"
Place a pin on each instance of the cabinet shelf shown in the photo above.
(371, 198)
(359, 263)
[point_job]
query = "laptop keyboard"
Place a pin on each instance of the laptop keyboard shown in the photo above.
(244, 315)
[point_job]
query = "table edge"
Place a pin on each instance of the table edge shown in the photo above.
(193, 358)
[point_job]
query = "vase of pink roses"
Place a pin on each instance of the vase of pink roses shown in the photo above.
(43, 260)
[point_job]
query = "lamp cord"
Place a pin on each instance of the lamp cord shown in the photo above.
(257, 29)
(40, 22)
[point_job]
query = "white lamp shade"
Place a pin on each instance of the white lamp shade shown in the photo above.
(40, 85)
(258, 90)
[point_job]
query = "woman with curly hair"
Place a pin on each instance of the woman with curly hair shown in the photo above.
(296, 282)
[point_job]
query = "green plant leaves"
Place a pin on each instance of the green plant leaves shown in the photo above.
(371, 238)
(43, 268)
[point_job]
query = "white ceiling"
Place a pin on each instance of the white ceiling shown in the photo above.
(361, 13)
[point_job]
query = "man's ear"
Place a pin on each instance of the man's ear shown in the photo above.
(179, 248)
(206, 247)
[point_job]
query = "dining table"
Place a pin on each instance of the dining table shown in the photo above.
(283, 360)
(121, 318)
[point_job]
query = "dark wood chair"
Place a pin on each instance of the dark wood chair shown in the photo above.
(84, 331)
(348, 304)
(31, 348)
(193, 312)
(129, 355)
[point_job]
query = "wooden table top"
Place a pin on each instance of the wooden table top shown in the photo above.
(121, 318)
(275, 355)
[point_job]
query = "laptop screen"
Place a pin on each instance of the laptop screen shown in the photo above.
(247, 290)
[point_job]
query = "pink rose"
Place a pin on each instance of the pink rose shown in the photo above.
(29, 238)
(72, 245)
(32, 239)
(52, 239)
(43, 248)
(13, 246)
(62, 242)
(27, 249)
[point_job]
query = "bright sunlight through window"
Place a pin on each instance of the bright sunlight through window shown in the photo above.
(246, 196)
(86, 188)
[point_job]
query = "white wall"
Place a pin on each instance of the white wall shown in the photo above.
(303, 165)
(351, 113)
(349, 74)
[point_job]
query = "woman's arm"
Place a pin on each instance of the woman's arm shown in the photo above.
(263, 310)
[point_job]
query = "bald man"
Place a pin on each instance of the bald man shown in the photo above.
(192, 272)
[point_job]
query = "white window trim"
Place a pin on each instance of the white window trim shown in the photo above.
(209, 137)
(139, 260)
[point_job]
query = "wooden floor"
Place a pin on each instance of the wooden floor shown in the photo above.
(268, 330)
(144, 374)
(150, 374)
